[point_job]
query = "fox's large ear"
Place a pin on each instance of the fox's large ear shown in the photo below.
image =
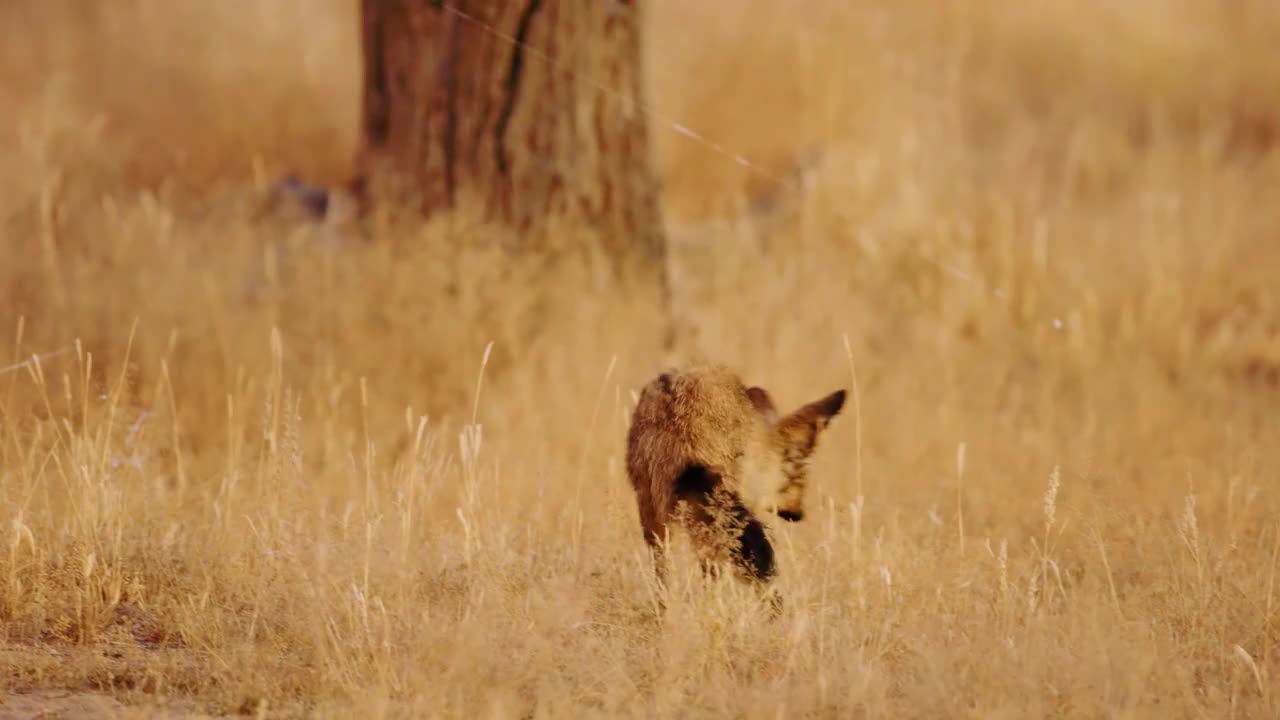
(821, 411)
(763, 403)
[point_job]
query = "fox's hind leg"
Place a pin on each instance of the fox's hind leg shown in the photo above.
(657, 552)
(656, 544)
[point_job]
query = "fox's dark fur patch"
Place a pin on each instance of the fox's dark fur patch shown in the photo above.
(703, 489)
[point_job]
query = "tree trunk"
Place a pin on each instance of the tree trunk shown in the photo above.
(523, 109)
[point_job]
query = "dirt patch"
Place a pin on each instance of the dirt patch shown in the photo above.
(57, 704)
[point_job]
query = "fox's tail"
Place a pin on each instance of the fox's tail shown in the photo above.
(717, 516)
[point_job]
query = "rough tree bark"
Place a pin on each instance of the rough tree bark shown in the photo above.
(525, 109)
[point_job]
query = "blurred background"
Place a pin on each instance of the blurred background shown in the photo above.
(1030, 221)
(1051, 222)
(1045, 231)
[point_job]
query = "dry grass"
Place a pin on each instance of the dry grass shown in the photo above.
(263, 482)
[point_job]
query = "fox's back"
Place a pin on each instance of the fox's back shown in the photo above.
(700, 416)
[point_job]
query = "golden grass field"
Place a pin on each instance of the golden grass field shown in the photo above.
(1043, 238)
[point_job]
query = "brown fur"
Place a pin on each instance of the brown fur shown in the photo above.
(703, 437)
